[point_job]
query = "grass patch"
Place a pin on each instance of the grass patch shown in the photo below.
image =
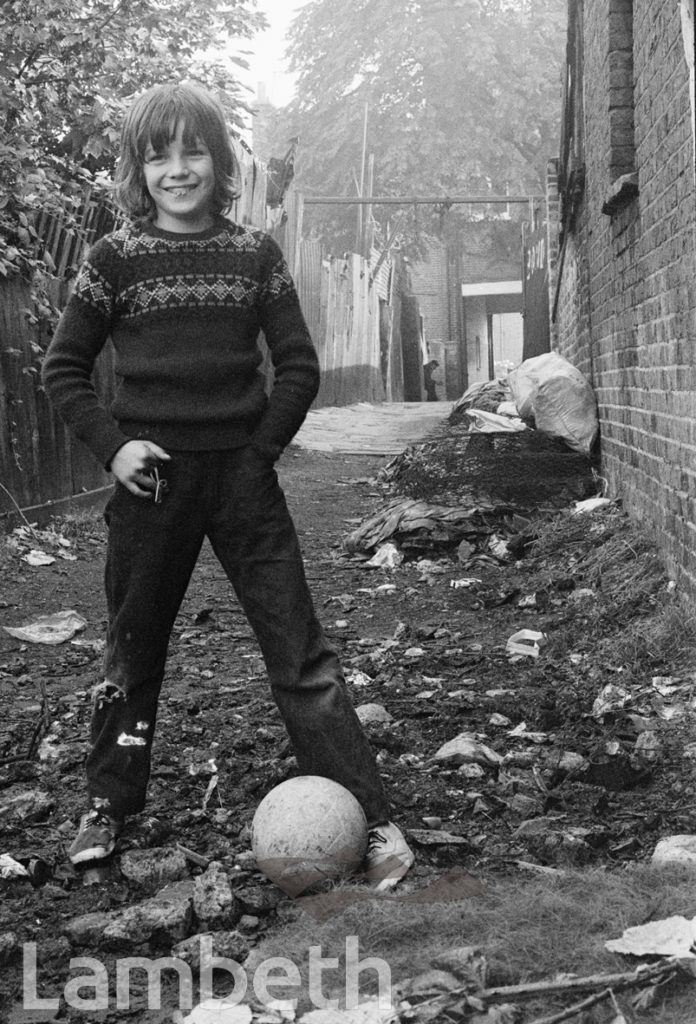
(529, 929)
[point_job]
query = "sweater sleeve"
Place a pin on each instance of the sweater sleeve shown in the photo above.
(67, 368)
(294, 358)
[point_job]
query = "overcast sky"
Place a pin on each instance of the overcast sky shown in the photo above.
(267, 62)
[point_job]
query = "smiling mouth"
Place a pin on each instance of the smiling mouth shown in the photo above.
(180, 190)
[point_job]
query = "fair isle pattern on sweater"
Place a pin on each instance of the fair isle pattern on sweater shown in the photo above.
(193, 288)
(184, 313)
(180, 291)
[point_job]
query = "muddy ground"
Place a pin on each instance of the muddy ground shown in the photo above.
(427, 641)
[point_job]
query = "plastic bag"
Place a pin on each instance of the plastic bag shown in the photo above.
(483, 422)
(49, 629)
(552, 393)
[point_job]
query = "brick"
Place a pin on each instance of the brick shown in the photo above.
(627, 296)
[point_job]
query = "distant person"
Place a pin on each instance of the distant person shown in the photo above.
(430, 389)
(192, 439)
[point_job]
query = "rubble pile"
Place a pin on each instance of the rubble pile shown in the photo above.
(525, 469)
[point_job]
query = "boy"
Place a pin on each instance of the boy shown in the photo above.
(191, 439)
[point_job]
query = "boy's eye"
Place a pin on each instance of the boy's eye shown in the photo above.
(152, 157)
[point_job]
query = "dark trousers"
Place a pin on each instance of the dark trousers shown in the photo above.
(232, 497)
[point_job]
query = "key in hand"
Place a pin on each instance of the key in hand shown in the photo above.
(161, 485)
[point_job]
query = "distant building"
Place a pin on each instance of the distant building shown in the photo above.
(623, 278)
(469, 288)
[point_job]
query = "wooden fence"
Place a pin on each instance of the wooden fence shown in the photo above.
(352, 305)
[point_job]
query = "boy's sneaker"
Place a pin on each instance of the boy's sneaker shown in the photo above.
(388, 856)
(96, 837)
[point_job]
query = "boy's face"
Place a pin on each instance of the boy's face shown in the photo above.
(181, 180)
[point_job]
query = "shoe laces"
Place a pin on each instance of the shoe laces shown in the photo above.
(97, 817)
(375, 838)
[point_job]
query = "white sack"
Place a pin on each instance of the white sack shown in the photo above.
(552, 393)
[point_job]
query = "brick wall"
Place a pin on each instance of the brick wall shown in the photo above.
(626, 295)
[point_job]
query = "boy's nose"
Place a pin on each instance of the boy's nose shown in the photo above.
(178, 166)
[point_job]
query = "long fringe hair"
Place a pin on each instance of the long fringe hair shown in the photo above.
(152, 120)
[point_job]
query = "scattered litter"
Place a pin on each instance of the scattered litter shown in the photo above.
(672, 936)
(466, 581)
(675, 850)
(380, 591)
(208, 767)
(91, 645)
(210, 789)
(38, 557)
(533, 737)
(369, 1012)
(50, 749)
(414, 522)
(527, 642)
(488, 394)
(668, 685)
(465, 747)
(387, 556)
(591, 505)
(484, 422)
(411, 759)
(24, 541)
(49, 629)
(346, 601)
(542, 869)
(358, 678)
(216, 1011)
(11, 868)
(499, 547)
(414, 652)
(498, 719)
(611, 698)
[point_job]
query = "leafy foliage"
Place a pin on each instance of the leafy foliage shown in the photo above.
(461, 95)
(67, 69)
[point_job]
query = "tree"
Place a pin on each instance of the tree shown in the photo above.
(66, 71)
(460, 95)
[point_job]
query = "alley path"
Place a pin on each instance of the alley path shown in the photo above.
(366, 429)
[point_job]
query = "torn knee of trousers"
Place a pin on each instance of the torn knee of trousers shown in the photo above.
(129, 740)
(106, 693)
(101, 803)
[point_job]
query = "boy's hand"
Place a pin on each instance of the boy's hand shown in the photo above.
(133, 463)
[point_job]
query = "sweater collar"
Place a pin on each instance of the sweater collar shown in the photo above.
(219, 225)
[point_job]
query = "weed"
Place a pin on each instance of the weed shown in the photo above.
(528, 929)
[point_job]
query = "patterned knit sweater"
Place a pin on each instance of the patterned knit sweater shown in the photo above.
(184, 314)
